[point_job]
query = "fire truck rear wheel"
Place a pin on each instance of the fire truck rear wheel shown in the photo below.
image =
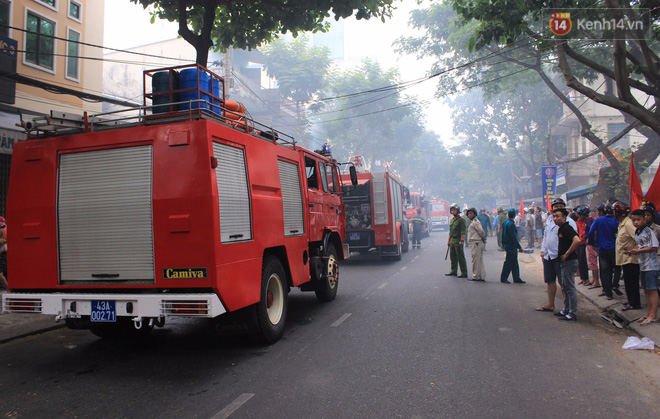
(271, 309)
(328, 287)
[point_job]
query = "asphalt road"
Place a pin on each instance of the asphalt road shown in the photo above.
(400, 340)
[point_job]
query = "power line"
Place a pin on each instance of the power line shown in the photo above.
(93, 45)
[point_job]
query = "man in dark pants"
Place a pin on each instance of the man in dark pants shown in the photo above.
(511, 246)
(456, 242)
(568, 242)
(603, 232)
(625, 241)
(418, 229)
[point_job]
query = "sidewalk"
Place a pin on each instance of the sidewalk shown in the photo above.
(611, 308)
(15, 326)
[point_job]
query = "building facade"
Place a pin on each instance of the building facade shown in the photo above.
(56, 64)
(606, 123)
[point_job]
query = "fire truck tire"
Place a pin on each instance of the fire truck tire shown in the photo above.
(406, 243)
(328, 287)
(271, 309)
(122, 329)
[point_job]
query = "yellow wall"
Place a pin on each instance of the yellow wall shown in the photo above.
(90, 71)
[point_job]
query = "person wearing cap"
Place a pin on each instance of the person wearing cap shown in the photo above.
(512, 247)
(418, 229)
(603, 233)
(649, 218)
(467, 224)
(485, 223)
(477, 242)
(568, 243)
(647, 250)
(550, 255)
(455, 242)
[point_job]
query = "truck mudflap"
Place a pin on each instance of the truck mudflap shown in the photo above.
(107, 307)
(346, 250)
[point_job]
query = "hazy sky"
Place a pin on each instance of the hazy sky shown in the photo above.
(367, 38)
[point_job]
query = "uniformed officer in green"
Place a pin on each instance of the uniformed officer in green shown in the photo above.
(455, 242)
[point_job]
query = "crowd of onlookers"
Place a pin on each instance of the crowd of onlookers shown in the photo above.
(613, 244)
(603, 246)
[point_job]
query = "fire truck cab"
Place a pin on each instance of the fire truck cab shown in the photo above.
(439, 214)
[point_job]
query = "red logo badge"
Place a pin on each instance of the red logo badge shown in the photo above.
(560, 23)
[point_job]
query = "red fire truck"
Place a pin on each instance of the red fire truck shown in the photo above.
(439, 214)
(418, 201)
(375, 217)
(122, 222)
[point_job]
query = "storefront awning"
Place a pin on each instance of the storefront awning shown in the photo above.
(9, 132)
(581, 191)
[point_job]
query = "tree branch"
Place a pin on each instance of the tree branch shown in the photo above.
(585, 126)
(644, 115)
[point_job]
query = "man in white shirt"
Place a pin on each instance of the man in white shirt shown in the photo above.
(549, 250)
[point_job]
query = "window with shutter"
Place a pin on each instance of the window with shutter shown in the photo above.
(292, 204)
(233, 194)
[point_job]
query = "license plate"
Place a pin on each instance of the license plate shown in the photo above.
(354, 236)
(103, 311)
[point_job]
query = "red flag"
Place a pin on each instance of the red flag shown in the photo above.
(522, 209)
(653, 194)
(547, 202)
(635, 186)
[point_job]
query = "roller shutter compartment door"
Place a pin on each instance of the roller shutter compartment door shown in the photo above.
(380, 199)
(105, 215)
(292, 205)
(233, 194)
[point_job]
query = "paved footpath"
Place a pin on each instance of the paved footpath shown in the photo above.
(611, 308)
(16, 326)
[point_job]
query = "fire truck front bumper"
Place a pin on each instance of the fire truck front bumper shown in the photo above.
(107, 307)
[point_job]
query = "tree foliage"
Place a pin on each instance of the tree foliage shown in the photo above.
(300, 72)
(496, 35)
(629, 59)
(248, 24)
(366, 106)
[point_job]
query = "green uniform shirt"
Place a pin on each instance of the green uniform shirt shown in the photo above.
(501, 219)
(456, 228)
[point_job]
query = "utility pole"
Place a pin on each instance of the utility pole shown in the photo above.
(227, 76)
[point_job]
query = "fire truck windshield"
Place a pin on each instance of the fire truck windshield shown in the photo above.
(437, 207)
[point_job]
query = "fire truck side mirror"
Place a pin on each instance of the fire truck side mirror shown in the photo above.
(353, 174)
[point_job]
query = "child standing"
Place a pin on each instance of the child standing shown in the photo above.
(647, 247)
